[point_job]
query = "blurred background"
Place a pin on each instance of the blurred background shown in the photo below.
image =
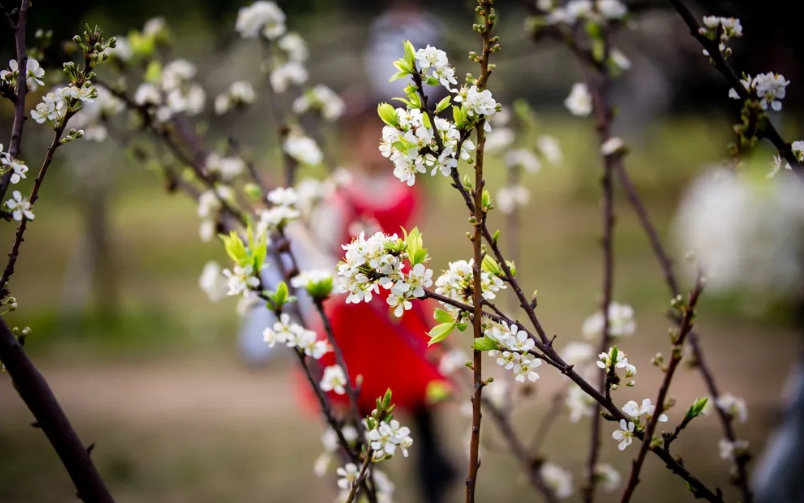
(149, 370)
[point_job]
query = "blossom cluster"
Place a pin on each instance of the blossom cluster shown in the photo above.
(724, 27)
(33, 74)
(616, 359)
(293, 335)
(647, 409)
(173, 92)
(409, 141)
(457, 283)
(16, 167)
(55, 105)
(320, 99)
(621, 322)
(598, 11)
(386, 436)
(239, 94)
(513, 346)
(379, 261)
(93, 114)
(769, 87)
(282, 212)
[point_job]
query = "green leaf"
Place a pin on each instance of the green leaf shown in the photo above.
(281, 294)
(462, 326)
(403, 66)
(386, 400)
(697, 407)
(388, 115)
(153, 73)
(420, 256)
(430, 80)
(443, 104)
(485, 199)
(598, 49)
(398, 75)
(415, 245)
(490, 266)
(426, 121)
(485, 343)
(511, 267)
(440, 332)
(442, 316)
(235, 248)
(410, 53)
(405, 101)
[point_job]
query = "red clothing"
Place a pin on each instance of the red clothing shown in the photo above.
(388, 352)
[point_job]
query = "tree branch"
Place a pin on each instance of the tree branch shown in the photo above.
(686, 327)
(37, 395)
(733, 79)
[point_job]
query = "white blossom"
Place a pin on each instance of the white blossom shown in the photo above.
(580, 404)
(611, 9)
(239, 93)
(499, 139)
(294, 46)
(227, 167)
(33, 74)
(241, 280)
(212, 282)
(334, 379)
(524, 158)
(577, 353)
(733, 406)
(625, 435)
(550, 149)
(478, 103)
(147, 94)
(430, 56)
(176, 73)
(729, 451)
(289, 73)
(770, 89)
(274, 218)
(19, 207)
(283, 196)
(457, 282)
(348, 476)
(320, 98)
(303, 149)
(612, 146)
(579, 101)
(15, 166)
(608, 477)
(619, 59)
(510, 197)
(386, 437)
(154, 26)
(451, 361)
(261, 18)
(558, 479)
(51, 109)
(621, 322)
(523, 369)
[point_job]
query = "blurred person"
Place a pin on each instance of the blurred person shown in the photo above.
(385, 351)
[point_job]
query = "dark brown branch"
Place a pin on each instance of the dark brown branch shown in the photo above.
(50, 418)
(666, 265)
(351, 388)
(529, 464)
(21, 89)
(733, 79)
(686, 327)
(19, 236)
(479, 219)
(600, 104)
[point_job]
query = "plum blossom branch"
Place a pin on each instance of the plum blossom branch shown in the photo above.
(21, 88)
(678, 344)
(718, 59)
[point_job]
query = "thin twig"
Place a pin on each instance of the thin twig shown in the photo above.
(351, 388)
(686, 327)
(600, 103)
(21, 90)
(19, 236)
(733, 79)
